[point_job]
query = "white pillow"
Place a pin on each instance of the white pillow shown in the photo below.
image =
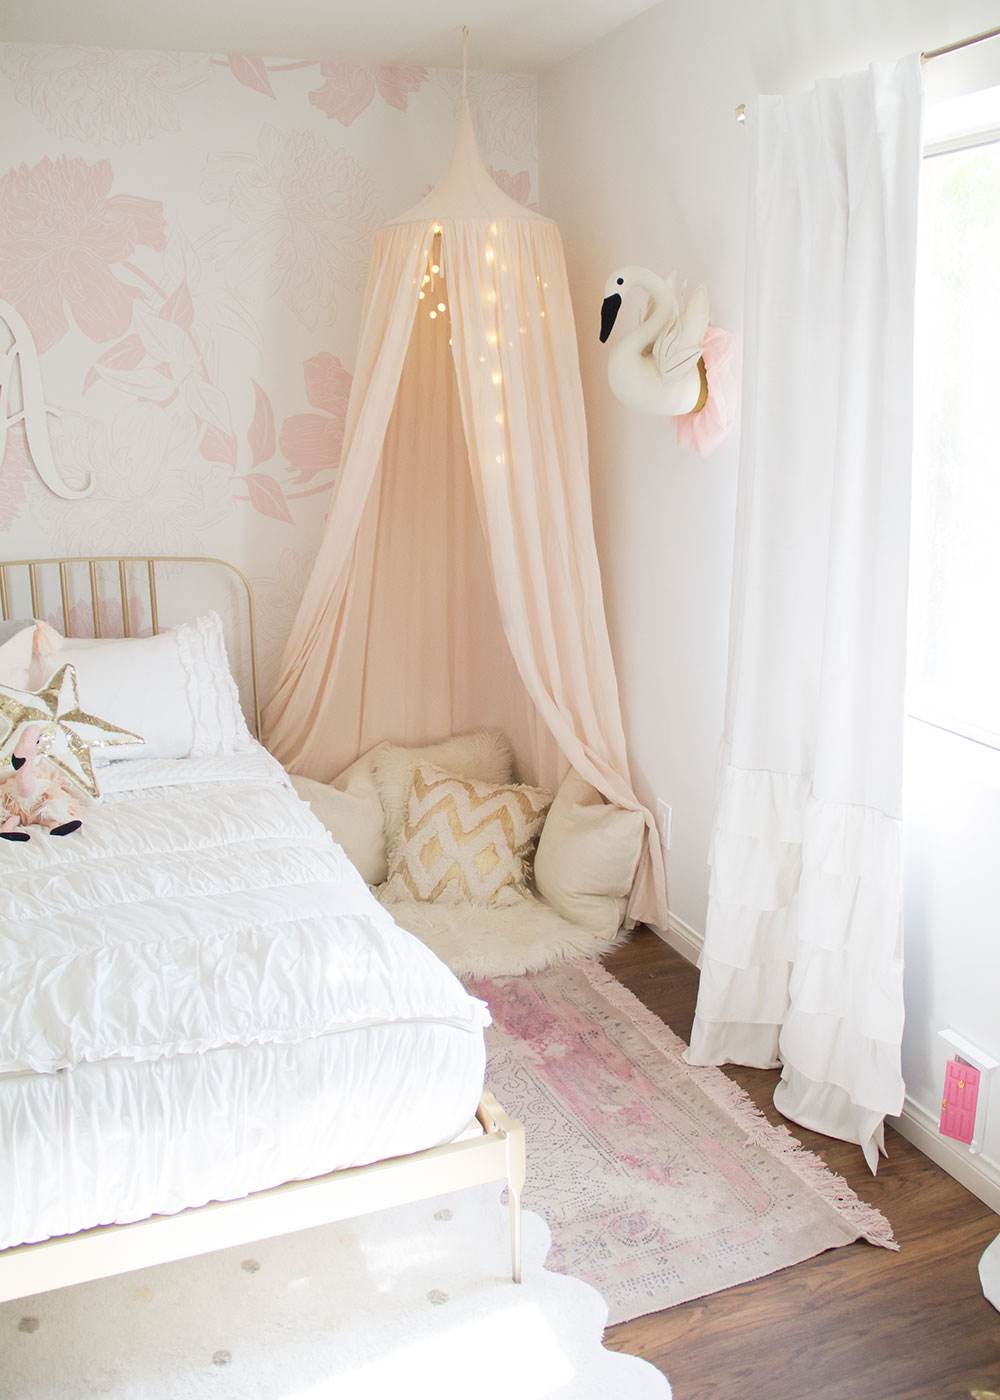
(484, 755)
(175, 689)
(587, 856)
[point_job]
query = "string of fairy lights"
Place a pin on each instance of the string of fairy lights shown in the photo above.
(432, 295)
(429, 290)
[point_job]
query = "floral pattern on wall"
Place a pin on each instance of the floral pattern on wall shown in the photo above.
(64, 238)
(106, 97)
(187, 237)
(301, 214)
(348, 90)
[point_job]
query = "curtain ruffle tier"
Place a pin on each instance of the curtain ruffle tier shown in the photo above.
(805, 961)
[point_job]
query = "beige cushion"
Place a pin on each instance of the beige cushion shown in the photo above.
(587, 856)
(483, 754)
(350, 809)
(465, 841)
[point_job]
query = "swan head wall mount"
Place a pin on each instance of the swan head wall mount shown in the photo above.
(657, 367)
(674, 364)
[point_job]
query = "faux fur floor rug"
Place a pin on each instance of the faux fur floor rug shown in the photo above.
(486, 942)
(413, 1302)
(660, 1182)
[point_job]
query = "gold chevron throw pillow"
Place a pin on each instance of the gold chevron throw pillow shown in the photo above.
(464, 841)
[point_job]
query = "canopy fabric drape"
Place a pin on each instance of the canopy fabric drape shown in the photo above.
(802, 964)
(457, 583)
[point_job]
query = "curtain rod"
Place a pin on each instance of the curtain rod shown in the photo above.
(961, 44)
(924, 57)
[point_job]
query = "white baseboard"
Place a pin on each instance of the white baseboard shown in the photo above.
(978, 1174)
(681, 937)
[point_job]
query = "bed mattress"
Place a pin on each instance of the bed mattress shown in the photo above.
(202, 998)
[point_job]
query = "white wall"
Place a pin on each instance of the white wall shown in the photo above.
(951, 917)
(641, 161)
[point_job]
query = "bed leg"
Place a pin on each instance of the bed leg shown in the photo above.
(515, 1181)
(499, 1123)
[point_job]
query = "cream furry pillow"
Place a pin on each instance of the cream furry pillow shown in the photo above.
(464, 841)
(587, 856)
(483, 754)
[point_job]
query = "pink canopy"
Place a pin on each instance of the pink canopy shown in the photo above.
(457, 583)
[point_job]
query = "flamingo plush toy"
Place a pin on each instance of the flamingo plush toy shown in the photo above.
(48, 741)
(35, 794)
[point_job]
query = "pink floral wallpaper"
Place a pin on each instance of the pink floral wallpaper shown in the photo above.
(187, 237)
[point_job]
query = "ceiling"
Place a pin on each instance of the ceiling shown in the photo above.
(519, 36)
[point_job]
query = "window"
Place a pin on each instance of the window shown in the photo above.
(955, 578)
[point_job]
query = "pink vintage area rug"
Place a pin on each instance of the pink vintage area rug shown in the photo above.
(660, 1181)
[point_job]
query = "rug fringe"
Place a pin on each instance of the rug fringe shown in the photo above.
(869, 1222)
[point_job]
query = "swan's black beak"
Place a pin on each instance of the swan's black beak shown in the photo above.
(17, 762)
(609, 310)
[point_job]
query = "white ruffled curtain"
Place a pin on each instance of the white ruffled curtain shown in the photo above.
(802, 965)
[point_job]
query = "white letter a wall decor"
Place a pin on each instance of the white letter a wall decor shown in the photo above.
(21, 383)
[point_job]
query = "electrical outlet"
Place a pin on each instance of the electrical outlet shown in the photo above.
(664, 821)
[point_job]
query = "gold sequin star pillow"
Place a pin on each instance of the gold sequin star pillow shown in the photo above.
(464, 841)
(68, 732)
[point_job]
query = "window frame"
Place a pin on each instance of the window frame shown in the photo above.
(923, 711)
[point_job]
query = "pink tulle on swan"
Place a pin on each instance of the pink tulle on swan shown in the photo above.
(705, 429)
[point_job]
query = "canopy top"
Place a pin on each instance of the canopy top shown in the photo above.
(466, 190)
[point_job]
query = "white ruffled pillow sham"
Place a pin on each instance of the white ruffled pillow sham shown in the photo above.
(175, 689)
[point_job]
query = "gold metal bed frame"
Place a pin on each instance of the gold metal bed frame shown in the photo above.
(122, 563)
(491, 1149)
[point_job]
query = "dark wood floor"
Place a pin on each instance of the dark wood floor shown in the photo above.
(856, 1323)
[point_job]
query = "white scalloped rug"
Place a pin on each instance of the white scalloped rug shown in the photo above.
(414, 1302)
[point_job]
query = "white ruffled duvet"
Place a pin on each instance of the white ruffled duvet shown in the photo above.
(200, 997)
(215, 910)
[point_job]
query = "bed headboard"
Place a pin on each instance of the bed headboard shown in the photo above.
(85, 583)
